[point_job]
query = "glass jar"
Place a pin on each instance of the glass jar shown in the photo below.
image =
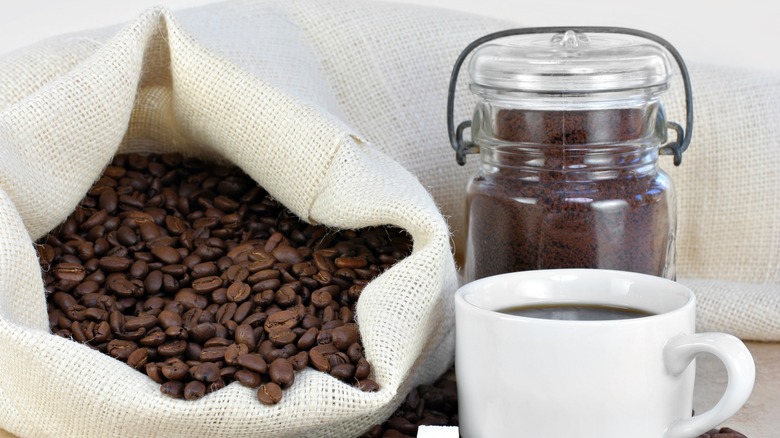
(569, 128)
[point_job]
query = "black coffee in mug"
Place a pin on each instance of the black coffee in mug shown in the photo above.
(576, 311)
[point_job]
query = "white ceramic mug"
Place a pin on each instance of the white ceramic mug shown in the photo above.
(542, 378)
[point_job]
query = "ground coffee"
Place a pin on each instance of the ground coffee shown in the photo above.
(194, 275)
(571, 189)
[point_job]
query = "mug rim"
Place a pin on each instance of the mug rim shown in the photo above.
(462, 293)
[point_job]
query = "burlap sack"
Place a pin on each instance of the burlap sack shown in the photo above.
(153, 88)
(332, 106)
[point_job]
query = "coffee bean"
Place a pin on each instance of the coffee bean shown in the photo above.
(300, 360)
(175, 370)
(173, 388)
(321, 298)
(114, 263)
(175, 271)
(362, 369)
(194, 390)
(248, 378)
(318, 360)
(205, 285)
(168, 318)
(281, 336)
(282, 319)
(243, 311)
(153, 339)
(344, 336)
(205, 269)
(244, 334)
(269, 393)
(119, 349)
(175, 225)
(238, 291)
(253, 362)
(368, 385)
(189, 299)
(213, 353)
(206, 372)
(70, 272)
(203, 332)
(233, 351)
(166, 254)
(173, 348)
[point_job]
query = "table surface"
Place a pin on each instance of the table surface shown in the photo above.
(759, 418)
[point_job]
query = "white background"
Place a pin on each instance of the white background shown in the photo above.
(742, 33)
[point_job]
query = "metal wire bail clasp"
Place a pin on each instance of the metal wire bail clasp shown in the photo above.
(676, 147)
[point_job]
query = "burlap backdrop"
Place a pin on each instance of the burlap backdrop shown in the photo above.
(335, 107)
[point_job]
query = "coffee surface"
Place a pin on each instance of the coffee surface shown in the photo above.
(576, 312)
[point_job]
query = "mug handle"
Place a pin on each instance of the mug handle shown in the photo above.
(680, 352)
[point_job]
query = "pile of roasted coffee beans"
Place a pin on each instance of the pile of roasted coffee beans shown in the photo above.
(437, 405)
(426, 405)
(194, 275)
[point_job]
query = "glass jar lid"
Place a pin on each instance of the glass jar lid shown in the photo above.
(569, 63)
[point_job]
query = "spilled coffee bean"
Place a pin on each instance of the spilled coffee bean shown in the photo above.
(437, 405)
(194, 275)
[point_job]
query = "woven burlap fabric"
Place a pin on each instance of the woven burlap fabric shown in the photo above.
(153, 88)
(338, 109)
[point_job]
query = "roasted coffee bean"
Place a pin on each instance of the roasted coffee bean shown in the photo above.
(175, 271)
(287, 254)
(114, 263)
(244, 334)
(253, 362)
(281, 336)
(175, 370)
(153, 339)
(269, 393)
(166, 254)
(226, 312)
(344, 371)
(233, 351)
(206, 372)
(242, 311)
(248, 378)
(362, 369)
(205, 269)
(153, 282)
(153, 370)
(238, 291)
(281, 372)
(213, 353)
(194, 390)
(206, 285)
(203, 332)
(167, 319)
(308, 339)
(319, 361)
(70, 272)
(142, 321)
(173, 388)
(300, 360)
(282, 319)
(368, 385)
(120, 349)
(175, 225)
(173, 348)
